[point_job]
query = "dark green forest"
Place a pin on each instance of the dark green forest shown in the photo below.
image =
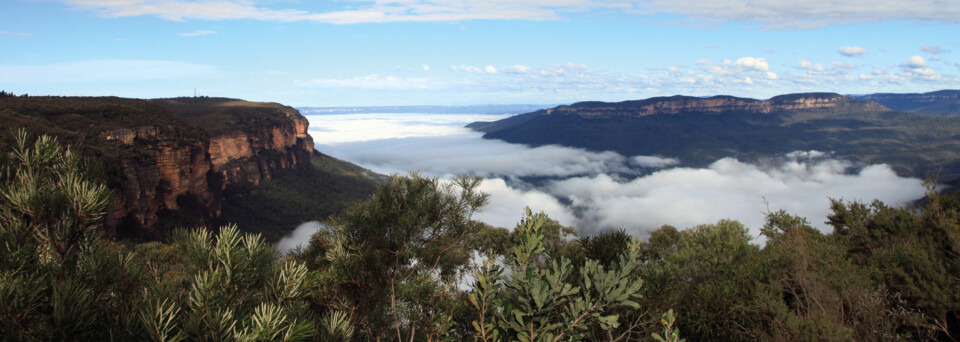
(400, 266)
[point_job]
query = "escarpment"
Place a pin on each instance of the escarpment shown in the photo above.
(699, 131)
(170, 159)
(713, 105)
(251, 155)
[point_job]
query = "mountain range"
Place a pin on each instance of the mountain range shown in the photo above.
(916, 134)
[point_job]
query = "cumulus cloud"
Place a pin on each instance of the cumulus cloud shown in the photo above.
(772, 14)
(198, 33)
(851, 51)
(754, 63)
(932, 49)
(104, 71)
(916, 61)
(745, 76)
(597, 191)
(810, 66)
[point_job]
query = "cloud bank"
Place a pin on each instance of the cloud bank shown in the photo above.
(599, 191)
(729, 188)
(575, 82)
(770, 14)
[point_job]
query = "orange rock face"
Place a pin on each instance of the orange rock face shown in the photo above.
(167, 169)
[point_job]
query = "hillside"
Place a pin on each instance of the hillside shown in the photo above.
(197, 161)
(699, 131)
(937, 103)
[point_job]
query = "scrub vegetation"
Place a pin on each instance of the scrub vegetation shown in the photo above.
(409, 264)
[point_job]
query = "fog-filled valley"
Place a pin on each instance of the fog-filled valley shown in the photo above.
(479, 171)
(602, 191)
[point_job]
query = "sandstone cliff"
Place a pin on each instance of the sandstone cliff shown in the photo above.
(170, 170)
(714, 105)
(171, 157)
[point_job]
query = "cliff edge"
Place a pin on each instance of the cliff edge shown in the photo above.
(172, 159)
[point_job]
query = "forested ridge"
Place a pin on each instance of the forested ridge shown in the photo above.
(399, 266)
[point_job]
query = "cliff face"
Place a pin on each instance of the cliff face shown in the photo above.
(713, 105)
(249, 156)
(169, 169)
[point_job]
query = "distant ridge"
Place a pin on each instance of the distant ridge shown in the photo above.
(700, 130)
(937, 103)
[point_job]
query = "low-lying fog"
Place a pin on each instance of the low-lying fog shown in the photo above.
(599, 191)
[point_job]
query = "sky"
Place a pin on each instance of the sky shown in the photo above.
(600, 191)
(457, 52)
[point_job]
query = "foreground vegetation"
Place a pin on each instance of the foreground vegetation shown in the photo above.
(400, 266)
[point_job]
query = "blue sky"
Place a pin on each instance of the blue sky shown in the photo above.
(457, 52)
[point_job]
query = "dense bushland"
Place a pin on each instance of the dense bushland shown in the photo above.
(410, 264)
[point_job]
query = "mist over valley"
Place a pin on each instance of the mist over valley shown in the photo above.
(601, 191)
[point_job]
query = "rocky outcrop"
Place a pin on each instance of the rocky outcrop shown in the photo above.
(714, 105)
(164, 168)
(251, 155)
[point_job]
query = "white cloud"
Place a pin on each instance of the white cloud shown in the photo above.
(363, 12)
(754, 63)
(465, 152)
(810, 66)
(299, 237)
(516, 69)
(372, 82)
(103, 71)
(932, 49)
(747, 76)
(467, 68)
(808, 14)
(851, 51)
(426, 67)
(350, 128)
(772, 14)
(506, 205)
(198, 33)
(653, 161)
(915, 62)
(728, 188)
